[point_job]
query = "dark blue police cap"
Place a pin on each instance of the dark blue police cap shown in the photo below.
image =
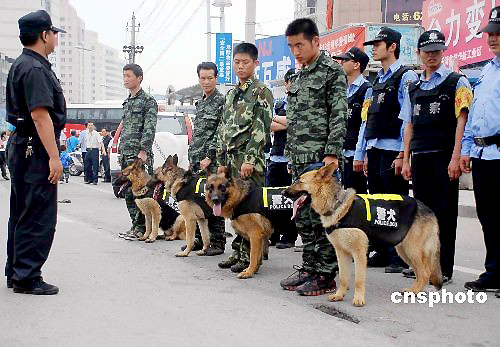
(493, 22)
(36, 22)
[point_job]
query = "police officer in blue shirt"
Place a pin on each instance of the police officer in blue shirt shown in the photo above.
(354, 63)
(381, 135)
(435, 113)
(35, 105)
(481, 148)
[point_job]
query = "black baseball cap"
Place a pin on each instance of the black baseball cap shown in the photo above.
(493, 23)
(36, 22)
(355, 54)
(431, 40)
(385, 34)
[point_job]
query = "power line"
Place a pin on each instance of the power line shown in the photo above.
(177, 35)
(139, 7)
(155, 17)
(164, 27)
(149, 15)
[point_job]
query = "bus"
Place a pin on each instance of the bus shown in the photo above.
(106, 115)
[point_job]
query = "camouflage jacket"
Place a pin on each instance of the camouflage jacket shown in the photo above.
(316, 113)
(207, 120)
(246, 123)
(139, 119)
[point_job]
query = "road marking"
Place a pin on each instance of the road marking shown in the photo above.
(467, 270)
(91, 186)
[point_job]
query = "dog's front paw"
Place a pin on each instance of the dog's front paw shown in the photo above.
(170, 238)
(335, 297)
(245, 275)
(150, 240)
(201, 252)
(406, 290)
(358, 300)
(142, 238)
(181, 254)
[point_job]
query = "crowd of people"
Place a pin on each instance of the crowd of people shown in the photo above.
(402, 126)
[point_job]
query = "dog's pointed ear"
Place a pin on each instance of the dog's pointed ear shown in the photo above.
(328, 170)
(168, 162)
(175, 159)
(138, 162)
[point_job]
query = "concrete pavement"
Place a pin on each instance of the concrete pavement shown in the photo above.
(116, 292)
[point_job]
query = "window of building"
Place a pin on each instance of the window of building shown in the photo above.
(312, 10)
(311, 3)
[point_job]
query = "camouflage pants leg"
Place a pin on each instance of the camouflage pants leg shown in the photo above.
(217, 227)
(319, 254)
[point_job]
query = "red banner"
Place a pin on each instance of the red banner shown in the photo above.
(341, 41)
(459, 21)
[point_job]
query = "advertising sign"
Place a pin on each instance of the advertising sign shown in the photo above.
(402, 11)
(223, 56)
(460, 21)
(275, 59)
(341, 41)
(409, 41)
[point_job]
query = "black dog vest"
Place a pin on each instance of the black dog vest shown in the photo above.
(263, 200)
(194, 190)
(385, 218)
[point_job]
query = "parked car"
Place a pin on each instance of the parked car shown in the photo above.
(173, 136)
(76, 168)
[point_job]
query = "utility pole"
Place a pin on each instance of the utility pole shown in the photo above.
(209, 34)
(250, 21)
(132, 49)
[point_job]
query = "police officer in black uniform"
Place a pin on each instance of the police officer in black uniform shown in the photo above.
(36, 106)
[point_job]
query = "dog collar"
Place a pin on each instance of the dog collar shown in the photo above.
(142, 192)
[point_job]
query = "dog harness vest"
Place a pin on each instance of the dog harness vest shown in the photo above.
(433, 118)
(383, 113)
(263, 200)
(385, 218)
(194, 190)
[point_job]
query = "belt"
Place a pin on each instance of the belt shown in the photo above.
(487, 141)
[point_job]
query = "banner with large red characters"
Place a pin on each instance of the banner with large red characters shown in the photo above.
(341, 41)
(460, 21)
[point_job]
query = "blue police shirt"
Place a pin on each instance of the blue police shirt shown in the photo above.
(72, 143)
(484, 115)
(387, 144)
(351, 90)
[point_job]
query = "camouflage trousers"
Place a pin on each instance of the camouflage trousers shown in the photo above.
(136, 216)
(240, 245)
(217, 227)
(319, 254)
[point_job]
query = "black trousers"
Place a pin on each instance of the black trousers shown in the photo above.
(3, 162)
(486, 179)
(432, 186)
(278, 176)
(105, 164)
(351, 179)
(84, 154)
(33, 210)
(382, 179)
(92, 167)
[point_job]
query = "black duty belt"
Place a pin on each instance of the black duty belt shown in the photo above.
(487, 141)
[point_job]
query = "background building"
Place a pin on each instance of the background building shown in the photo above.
(89, 71)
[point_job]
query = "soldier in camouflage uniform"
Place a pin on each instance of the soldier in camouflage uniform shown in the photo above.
(246, 122)
(203, 147)
(316, 115)
(136, 140)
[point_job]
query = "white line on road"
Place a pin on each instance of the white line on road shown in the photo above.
(91, 186)
(467, 270)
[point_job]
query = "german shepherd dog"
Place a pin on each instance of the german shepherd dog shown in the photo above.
(192, 208)
(419, 247)
(156, 212)
(224, 195)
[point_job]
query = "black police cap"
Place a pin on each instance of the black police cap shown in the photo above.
(385, 34)
(36, 22)
(494, 22)
(431, 40)
(355, 54)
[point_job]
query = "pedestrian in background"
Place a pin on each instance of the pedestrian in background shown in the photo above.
(106, 140)
(435, 112)
(354, 63)
(244, 128)
(66, 163)
(72, 142)
(140, 114)
(93, 143)
(3, 157)
(35, 105)
(316, 118)
(83, 148)
(481, 148)
(277, 172)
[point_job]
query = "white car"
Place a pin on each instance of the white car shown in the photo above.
(173, 136)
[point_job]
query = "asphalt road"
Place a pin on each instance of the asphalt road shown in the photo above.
(123, 293)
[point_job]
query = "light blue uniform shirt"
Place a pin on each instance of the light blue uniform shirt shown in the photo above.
(81, 138)
(436, 79)
(387, 144)
(351, 90)
(484, 114)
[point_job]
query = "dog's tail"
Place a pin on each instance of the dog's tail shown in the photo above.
(436, 277)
